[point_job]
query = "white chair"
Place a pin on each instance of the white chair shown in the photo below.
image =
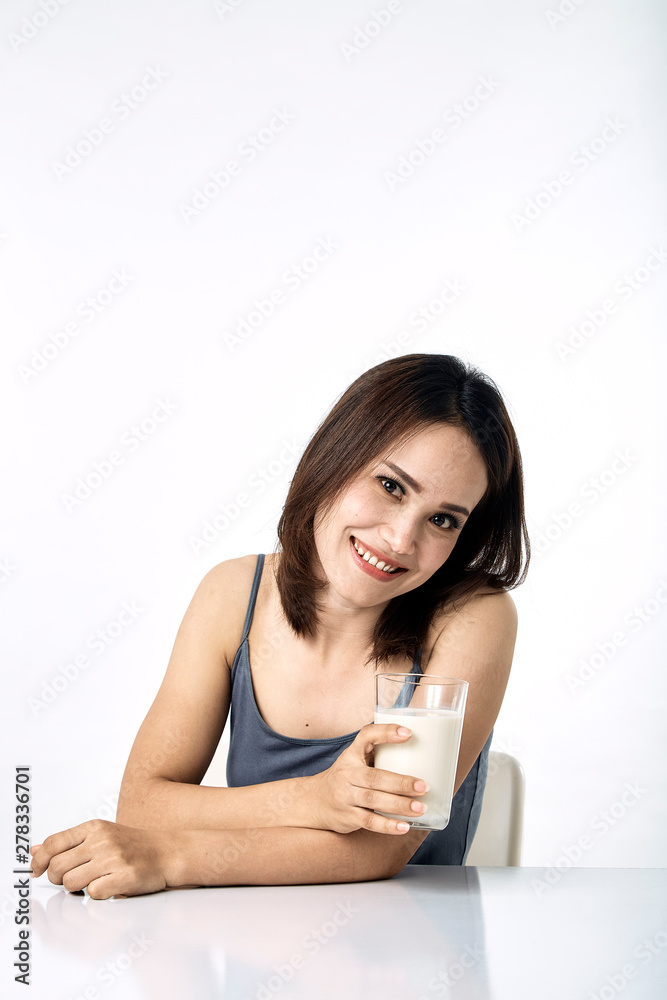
(497, 841)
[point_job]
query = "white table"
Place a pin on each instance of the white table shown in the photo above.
(429, 932)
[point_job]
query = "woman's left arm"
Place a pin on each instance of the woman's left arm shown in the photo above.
(476, 644)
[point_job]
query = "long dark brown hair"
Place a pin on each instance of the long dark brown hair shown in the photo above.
(383, 407)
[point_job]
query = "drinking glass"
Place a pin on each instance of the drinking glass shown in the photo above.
(433, 708)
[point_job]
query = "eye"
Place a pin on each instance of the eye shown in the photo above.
(446, 521)
(391, 486)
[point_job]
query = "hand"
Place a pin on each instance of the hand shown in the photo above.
(107, 858)
(347, 792)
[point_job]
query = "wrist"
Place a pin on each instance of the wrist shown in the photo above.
(176, 851)
(305, 810)
(290, 802)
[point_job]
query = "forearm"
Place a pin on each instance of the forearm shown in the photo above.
(286, 856)
(164, 804)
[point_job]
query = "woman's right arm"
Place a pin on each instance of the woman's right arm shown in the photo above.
(178, 738)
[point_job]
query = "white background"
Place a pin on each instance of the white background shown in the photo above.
(354, 105)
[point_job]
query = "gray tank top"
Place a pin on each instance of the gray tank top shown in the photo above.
(257, 754)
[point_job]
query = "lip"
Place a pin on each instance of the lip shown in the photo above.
(377, 574)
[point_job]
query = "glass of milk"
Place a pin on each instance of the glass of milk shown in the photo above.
(432, 707)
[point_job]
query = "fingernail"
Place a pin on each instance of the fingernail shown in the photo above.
(421, 786)
(402, 731)
(402, 827)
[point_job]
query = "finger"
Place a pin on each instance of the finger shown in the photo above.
(390, 781)
(374, 800)
(40, 861)
(58, 843)
(61, 865)
(125, 884)
(104, 887)
(388, 792)
(370, 736)
(82, 876)
(381, 824)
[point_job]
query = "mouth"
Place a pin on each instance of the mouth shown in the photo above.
(373, 563)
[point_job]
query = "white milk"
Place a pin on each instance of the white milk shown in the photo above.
(431, 753)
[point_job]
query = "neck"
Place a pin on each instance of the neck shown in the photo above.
(343, 631)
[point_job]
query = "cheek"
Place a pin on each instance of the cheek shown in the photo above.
(439, 550)
(355, 510)
(361, 507)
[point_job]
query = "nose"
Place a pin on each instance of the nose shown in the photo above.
(399, 534)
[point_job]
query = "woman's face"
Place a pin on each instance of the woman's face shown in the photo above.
(404, 512)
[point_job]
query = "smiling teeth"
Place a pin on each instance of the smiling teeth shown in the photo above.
(373, 560)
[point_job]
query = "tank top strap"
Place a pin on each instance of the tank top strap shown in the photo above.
(253, 596)
(405, 694)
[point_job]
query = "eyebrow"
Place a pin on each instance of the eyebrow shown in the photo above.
(417, 488)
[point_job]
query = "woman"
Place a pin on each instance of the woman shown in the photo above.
(402, 531)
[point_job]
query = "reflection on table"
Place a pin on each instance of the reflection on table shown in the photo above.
(429, 932)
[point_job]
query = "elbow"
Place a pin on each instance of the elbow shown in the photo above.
(382, 870)
(370, 861)
(396, 868)
(404, 851)
(395, 865)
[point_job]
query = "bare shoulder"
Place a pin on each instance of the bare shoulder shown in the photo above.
(484, 605)
(219, 604)
(231, 579)
(486, 620)
(495, 607)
